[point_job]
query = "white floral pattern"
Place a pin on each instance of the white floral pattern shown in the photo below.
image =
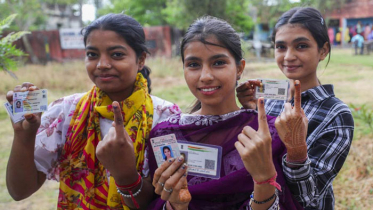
(55, 122)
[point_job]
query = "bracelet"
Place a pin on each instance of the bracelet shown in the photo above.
(129, 196)
(129, 188)
(275, 205)
(308, 162)
(270, 181)
(261, 202)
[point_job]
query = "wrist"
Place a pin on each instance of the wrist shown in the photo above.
(265, 176)
(175, 206)
(128, 178)
(297, 154)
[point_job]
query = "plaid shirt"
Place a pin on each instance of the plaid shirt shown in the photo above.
(330, 132)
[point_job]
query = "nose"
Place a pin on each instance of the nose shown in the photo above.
(290, 55)
(103, 63)
(206, 74)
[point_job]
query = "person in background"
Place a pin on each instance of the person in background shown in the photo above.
(358, 42)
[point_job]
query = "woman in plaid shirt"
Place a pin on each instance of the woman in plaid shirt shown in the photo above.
(317, 151)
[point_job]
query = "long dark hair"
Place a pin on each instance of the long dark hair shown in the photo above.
(208, 26)
(308, 18)
(129, 29)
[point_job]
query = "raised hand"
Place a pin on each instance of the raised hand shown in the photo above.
(30, 125)
(116, 151)
(255, 147)
(292, 126)
(171, 184)
(246, 93)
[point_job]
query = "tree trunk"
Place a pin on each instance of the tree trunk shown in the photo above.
(29, 50)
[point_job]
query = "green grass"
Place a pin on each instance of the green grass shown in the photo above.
(350, 75)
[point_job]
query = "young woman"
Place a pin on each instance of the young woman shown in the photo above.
(62, 143)
(313, 160)
(213, 63)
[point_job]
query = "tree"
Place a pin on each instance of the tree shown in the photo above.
(147, 12)
(32, 18)
(181, 13)
(8, 51)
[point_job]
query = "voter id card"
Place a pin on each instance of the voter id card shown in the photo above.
(164, 148)
(203, 160)
(273, 89)
(14, 117)
(30, 101)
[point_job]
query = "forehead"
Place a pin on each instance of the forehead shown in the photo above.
(99, 36)
(197, 47)
(289, 32)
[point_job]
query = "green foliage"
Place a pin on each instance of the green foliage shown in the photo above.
(363, 114)
(8, 51)
(181, 13)
(147, 12)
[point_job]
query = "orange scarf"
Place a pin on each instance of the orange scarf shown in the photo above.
(83, 179)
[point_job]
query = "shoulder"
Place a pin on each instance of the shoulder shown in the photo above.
(163, 109)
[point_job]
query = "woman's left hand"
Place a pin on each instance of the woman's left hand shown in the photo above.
(292, 127)
(171, 184)
(255, 148)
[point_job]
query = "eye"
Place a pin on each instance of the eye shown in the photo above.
(302, 46)
(219, 63)
(91, 54)
(280, 47)
(192, 65)
(118, 55)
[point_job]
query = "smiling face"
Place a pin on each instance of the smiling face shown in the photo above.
(297, 53)
(112, 64)
(211, 73)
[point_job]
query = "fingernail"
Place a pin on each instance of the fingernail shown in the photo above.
(296, 83)
(28, 116)
(184, 175)
(261, 101)
(115, 106)
(171, 160)
(184, 166)
(180, 158)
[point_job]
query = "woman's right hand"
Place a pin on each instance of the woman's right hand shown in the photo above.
(171, 184)
(255, 147)
(246, 94)
(31, 124)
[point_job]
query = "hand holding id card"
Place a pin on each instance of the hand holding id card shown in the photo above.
(30, 101)
(203, 160)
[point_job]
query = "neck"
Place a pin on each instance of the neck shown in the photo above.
(309, 82)
(228, 106)
(120, 96)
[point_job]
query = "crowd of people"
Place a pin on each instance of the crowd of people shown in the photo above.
(275, 154)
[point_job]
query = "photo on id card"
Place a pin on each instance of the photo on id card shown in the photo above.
(164, 148)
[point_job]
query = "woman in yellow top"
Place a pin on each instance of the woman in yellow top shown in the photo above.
(75, 142)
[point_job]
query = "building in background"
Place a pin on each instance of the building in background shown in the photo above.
(345, 20)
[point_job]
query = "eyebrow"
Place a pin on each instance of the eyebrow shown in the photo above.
(108, 49)
(299, 39)
(193, 58)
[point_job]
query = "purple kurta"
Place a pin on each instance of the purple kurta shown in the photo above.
(233, 189)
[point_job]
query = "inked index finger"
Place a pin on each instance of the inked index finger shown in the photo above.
(262, 117)
(118, 119)
(297, 97)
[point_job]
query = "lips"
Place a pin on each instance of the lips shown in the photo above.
(291, 67)
(106, 77)
(209, 90)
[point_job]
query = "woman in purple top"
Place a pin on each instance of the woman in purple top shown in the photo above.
(212, 57)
